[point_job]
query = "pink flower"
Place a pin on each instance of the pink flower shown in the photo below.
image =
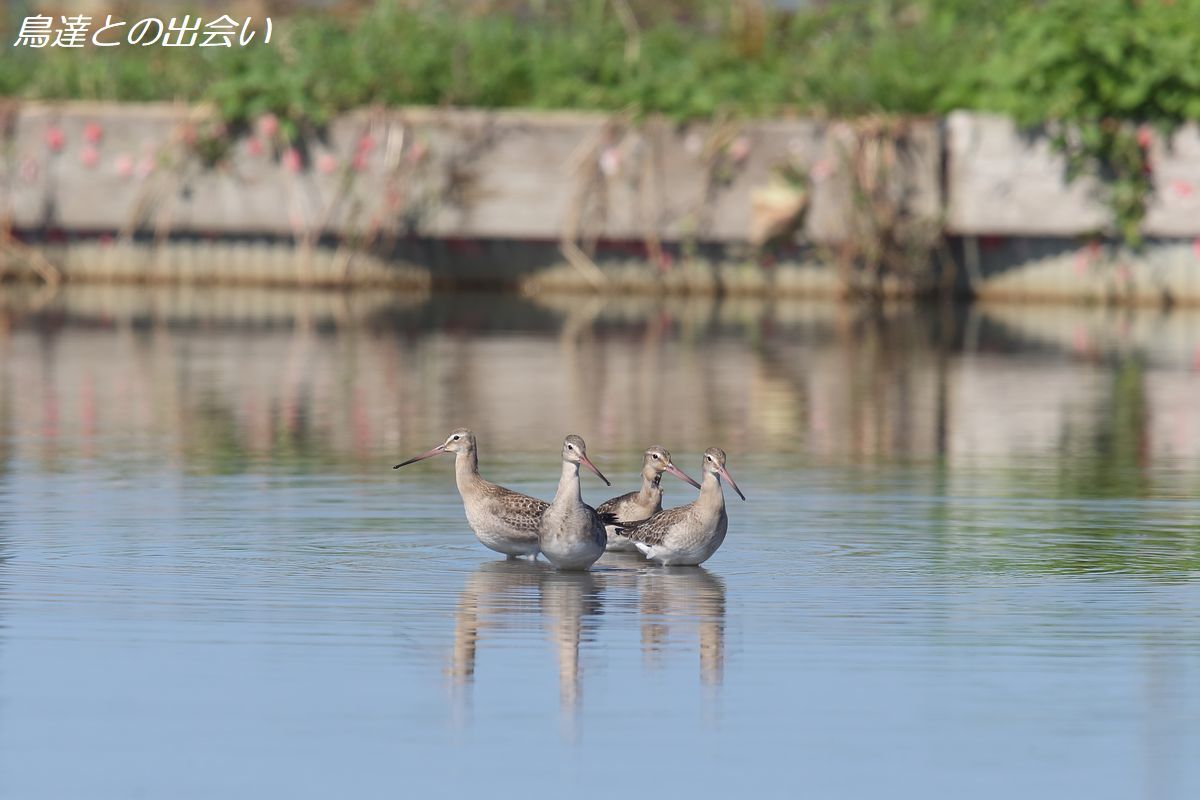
(89, 156)
(55, 138)
(123, 165)
(93, 133)
(291, 160)
(1182, 188)
(821, 169)
(1196, 247)
(1080, 341)
(326, 163)
(254, 147)
(1145, 137)
(610, 161)
(359, 162)
(29, 169)
(1084, 258)
(268, 125)
(365, 143)
(416, 153)
(739, 149)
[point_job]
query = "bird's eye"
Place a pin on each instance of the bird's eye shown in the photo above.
(570, 447)
(457, 437)
(656, 456)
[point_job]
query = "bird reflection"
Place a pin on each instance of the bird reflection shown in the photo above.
(571, 604)
(495, 596)
(683, 600)
(674, 605)
(499, 595)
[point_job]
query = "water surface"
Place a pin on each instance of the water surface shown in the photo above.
(969, 565)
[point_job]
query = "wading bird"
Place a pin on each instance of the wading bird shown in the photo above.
(690, 534)
(643, 503)
(571, 533)
(503, 520)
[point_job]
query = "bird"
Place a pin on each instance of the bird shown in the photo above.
(644, 503)
(571, 533)
(688, 535)
(503, 520)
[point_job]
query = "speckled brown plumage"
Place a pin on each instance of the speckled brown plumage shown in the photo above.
(519, 511)
(503, 520)
(654, 530)
(614, 507)
(690, 534)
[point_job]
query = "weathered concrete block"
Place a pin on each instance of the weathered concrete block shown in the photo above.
(448, 173)
(1003, 182)
(1175, 208)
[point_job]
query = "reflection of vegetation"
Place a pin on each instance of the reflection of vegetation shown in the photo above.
(217, 441)
(1108, 459)
(1085, 539)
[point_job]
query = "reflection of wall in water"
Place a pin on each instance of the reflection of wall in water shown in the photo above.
(826, 381)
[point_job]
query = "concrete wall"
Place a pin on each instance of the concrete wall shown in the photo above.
(379, 176)
(540, 175)
(474, 174)
(1001, 181)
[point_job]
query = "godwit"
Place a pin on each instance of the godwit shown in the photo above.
(644, 503)
(572, 533)
(504, 520)
(689, 535)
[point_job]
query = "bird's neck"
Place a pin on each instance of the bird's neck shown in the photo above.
(568, 486)
(650, 487)
(466, 470)
(711, 495)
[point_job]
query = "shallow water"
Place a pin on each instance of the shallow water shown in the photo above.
(969, 564)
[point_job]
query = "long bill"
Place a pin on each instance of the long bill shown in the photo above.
(725, 474)
(678, 473)
(587, 462)
(441, 448)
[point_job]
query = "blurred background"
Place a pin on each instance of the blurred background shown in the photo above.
(926, 269)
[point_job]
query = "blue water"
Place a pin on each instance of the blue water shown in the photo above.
(213, 584)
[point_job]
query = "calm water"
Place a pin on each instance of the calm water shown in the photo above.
(969, 565)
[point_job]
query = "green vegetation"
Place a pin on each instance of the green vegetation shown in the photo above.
(857, 57)
(1092, 70)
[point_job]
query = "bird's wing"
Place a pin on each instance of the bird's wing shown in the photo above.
(613, 505)
(520, 511)
(654, 530)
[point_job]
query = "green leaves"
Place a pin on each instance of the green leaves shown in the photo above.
(1098, 67)
(1102, 68)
